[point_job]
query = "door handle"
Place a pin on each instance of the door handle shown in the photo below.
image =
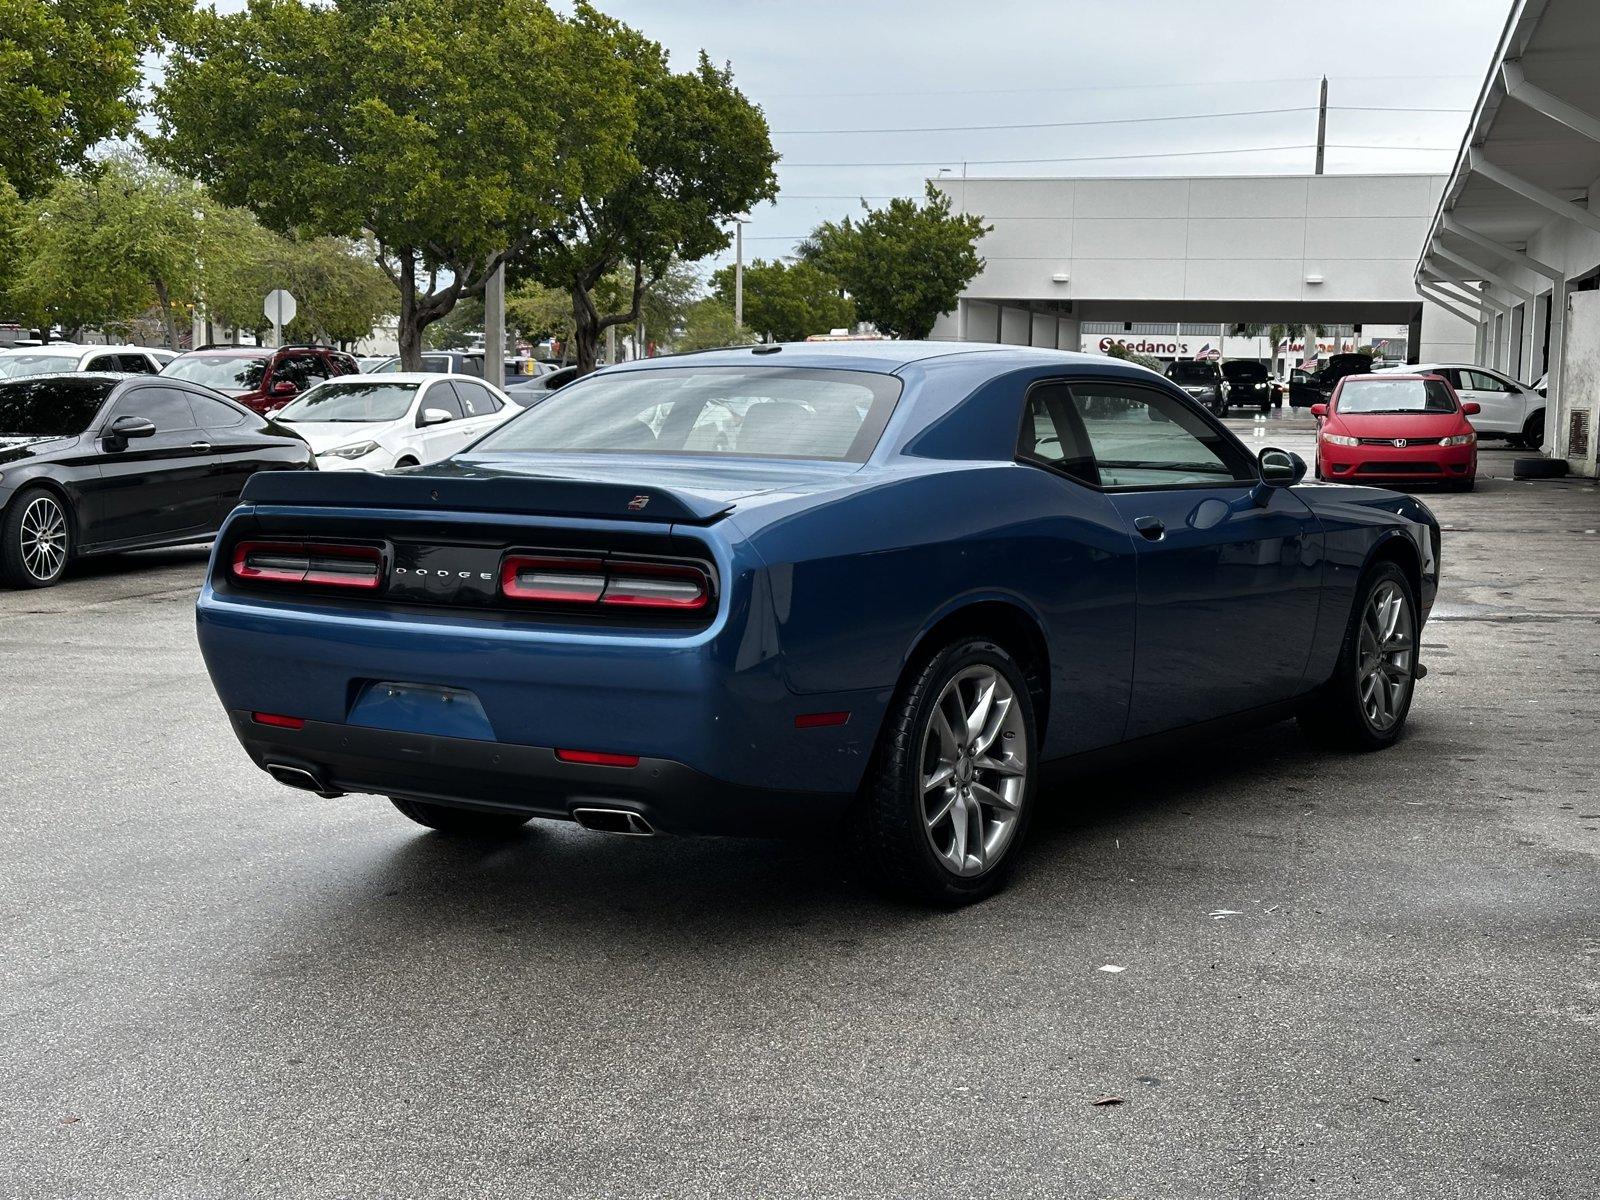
(1153, 529)
(199, 445)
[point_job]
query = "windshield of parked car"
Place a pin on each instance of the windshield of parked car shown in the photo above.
(749, 412)
(352, 402)
(231, 373)
(40, 408)
(17, 366)
(1244, 370)
(1395, 396)
(1192, 372)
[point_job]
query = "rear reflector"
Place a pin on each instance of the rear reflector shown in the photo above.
(278, 720)
(681, 587)
(821, 720)
(308, 563)
(595, 758)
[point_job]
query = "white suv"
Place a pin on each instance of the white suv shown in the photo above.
(1506, 408)
(65, 357)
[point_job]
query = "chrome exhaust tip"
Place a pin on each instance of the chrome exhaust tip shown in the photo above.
(621, 821)
(300, 777)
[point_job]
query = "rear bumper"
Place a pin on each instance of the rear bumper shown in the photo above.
(502, 777)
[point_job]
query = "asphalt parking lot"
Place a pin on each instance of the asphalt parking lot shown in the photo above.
(1343, 975)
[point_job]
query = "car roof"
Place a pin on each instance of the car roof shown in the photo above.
(887, 357)
(233, 352)
(393, 377)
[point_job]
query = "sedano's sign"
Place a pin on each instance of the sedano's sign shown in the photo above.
(1168, 347)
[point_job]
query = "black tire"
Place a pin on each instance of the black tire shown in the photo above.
(1335, 716)
(1463, 485)
(890, 824)
(1538, 468)
(20, 565)
(1532, 432)
(466, 822)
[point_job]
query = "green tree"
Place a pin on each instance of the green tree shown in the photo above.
(1118, 350)
(701, 154)
(458, 330)
(451, 131)
(69, 78)
(11, 218)
(709, 323)
(788, 303)
(540, 312)
(905, 264)
(99, 251)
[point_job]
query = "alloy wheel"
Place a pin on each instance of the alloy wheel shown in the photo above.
(1387, 649)
(974, 770)
(44, 538)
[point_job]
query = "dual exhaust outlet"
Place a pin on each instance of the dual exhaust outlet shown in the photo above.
(623, 822)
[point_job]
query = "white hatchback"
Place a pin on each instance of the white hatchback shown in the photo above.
(374, 422)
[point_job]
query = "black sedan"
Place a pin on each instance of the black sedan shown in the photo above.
(92, 464)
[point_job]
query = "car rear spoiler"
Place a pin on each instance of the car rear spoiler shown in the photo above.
(531, 495)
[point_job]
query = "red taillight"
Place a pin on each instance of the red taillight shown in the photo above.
(278, 720)
(596, 758)
(553, 580)
(681, 587)
(308, 563)
(656, 585)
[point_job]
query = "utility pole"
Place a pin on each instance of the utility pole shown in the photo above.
(1322, 123)
(494, 327)
(738, 272)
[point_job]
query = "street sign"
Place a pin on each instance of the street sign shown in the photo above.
(280, 308)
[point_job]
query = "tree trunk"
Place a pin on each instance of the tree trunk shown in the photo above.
(410, 323)
(585, 329)
(167, 322)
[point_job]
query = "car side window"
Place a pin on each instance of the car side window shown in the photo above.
(476, 400)
(136, 364)
(472, 364)
(1052, 433)
(440, 395)
(1142, 438)
(168, 410)
(302, 370)
(1480, 381)
(213, 414)
(104, 362)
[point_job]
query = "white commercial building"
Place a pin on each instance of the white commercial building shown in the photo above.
(1327, 250)
(1514, 243)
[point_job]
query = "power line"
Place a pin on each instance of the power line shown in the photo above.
(1249, 112)
(1099, 87)
(992, 162)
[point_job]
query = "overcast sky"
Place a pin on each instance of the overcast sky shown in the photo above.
(877, 64)
(896, 64)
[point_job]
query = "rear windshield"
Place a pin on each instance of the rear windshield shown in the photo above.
(352, 401)
(748, 412)
(16, 366)
(50, 407)
(1396, 396)
(224, 372)
(1192, 372)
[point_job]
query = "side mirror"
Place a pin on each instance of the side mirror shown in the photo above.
(283, 388)
(435, 416)
(1280, 468)
(124, 428)
(1319, 411)
(1472, 408)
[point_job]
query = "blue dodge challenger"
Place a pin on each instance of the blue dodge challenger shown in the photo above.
(872, 588)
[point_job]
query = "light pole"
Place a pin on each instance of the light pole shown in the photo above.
(739, 222)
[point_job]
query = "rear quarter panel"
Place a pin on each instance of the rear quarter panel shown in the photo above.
(858, 578)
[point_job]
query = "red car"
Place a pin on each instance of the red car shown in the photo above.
(1396, 429)
(262, 378)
